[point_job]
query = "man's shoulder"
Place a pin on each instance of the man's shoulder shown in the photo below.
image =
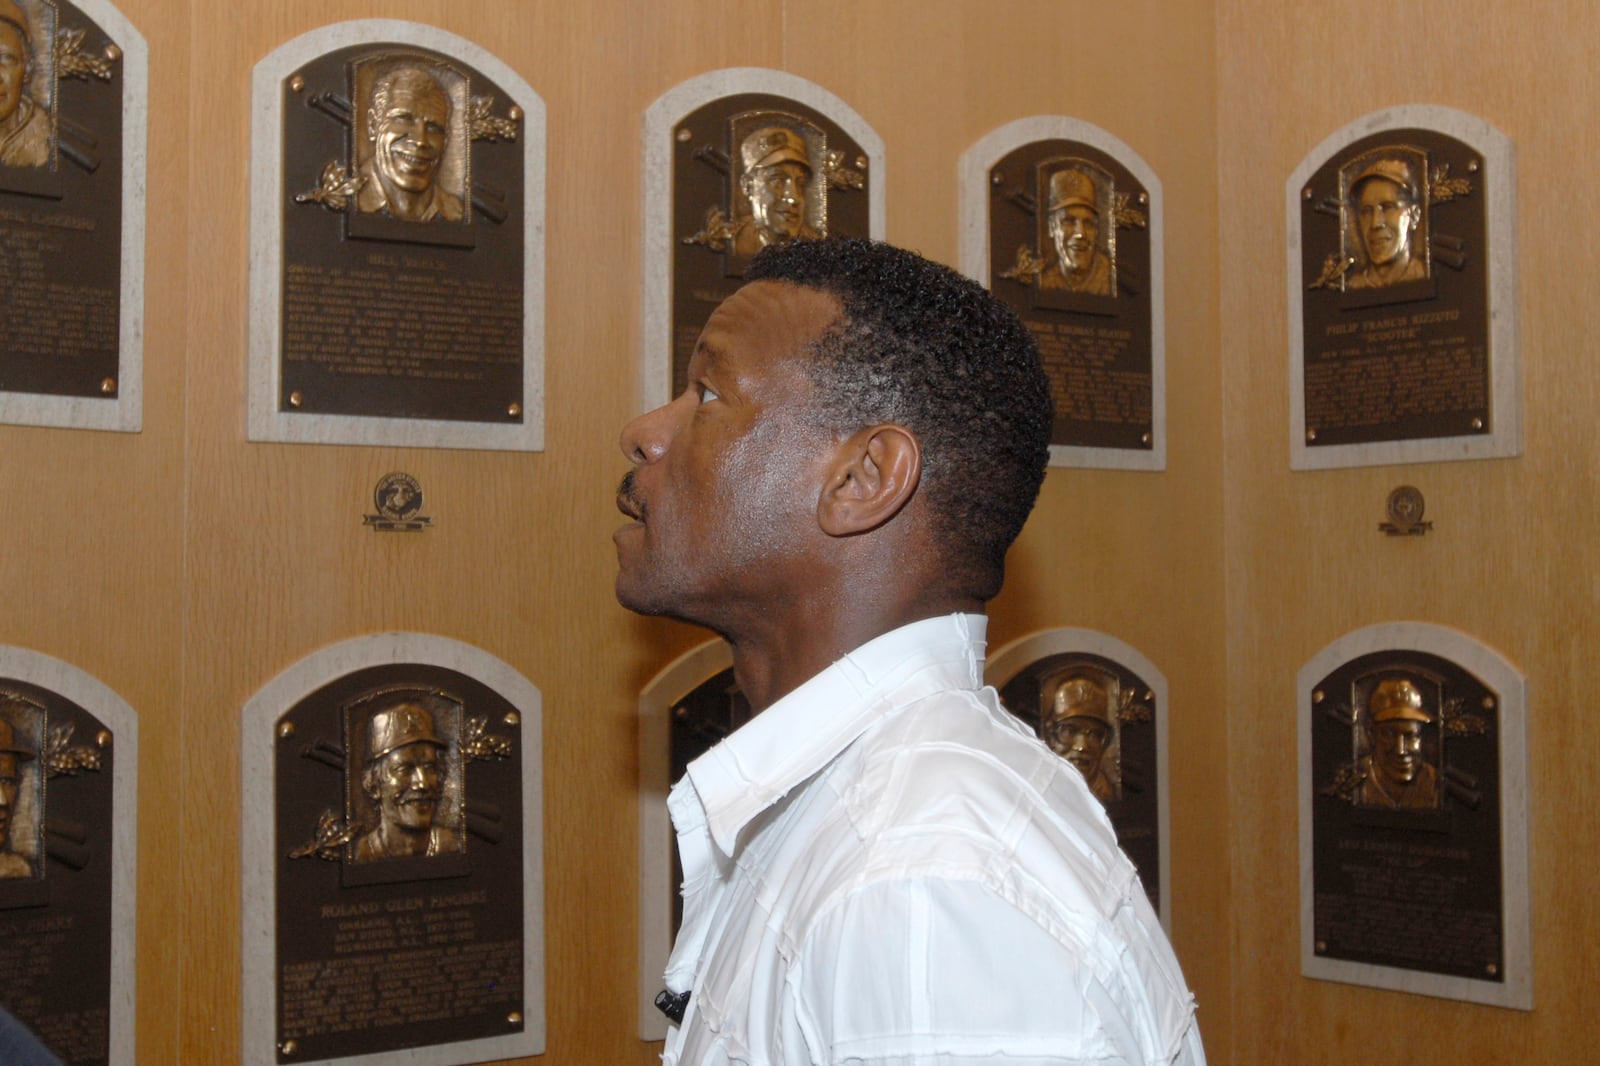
(953, 787)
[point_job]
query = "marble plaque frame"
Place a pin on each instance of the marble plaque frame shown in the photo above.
(123, 413)
(258, 804)
(89, 693)
(1015, 657)
(1504, 435)
(656, 839)
(266, 422)
(1510, 687)
(974, 167)
(656, 209)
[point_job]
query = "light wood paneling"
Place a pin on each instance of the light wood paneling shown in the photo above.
(223, 562)
(1512, 556)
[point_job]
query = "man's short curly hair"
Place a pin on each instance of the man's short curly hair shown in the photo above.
(922, 346)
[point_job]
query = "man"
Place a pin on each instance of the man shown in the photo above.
(13, 754)
(1396, 775)
(1383, 199)
(25, 127)
(1074, 224)
(405, 776)
(882, 865)
(408, 124)
(776, 175)
(1077, 726)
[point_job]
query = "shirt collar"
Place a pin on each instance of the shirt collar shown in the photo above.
(801, 733)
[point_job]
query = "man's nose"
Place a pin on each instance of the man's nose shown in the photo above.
(646, 438)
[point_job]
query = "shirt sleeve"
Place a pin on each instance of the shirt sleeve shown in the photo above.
(948, 971)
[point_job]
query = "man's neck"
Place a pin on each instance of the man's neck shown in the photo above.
(773, 661)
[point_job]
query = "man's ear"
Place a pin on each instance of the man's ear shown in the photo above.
(873, 476)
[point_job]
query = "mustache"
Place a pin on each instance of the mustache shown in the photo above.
(628, 500)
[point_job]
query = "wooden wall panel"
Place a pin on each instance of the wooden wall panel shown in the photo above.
(222, 562)
(1512, 556)
(91, 558)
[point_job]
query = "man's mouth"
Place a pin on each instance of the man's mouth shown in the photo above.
(628, 501)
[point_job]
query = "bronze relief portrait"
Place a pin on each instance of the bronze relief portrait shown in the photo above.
(1080, 228)
(779, 173)
(1398, 764)
(1401, 728)
(404, 785)
(22, 727)
(409, 139)
(1385, 211)
(1078, 721)
(27, 83)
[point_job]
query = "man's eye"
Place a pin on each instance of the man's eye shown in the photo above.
(707, 393)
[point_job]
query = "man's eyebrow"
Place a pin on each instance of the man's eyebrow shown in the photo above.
(712, 353)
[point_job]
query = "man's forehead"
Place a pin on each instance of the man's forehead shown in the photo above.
(770, 317)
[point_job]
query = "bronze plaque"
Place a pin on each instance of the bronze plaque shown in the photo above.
(1101, 717)
(1406, 809)
(750, 170)
(399, 864)
(61, 174)
(56, 762)
(1070, 252)
(402, 266)
(698, 722)
(1394, 272)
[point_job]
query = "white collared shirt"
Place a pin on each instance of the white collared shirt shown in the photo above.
(885, 867)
